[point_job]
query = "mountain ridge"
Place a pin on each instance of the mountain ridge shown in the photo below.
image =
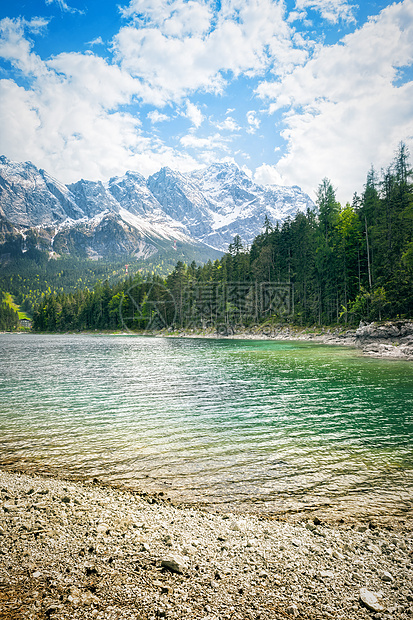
(204, 208)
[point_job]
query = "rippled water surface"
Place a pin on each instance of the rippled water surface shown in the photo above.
(273, 426)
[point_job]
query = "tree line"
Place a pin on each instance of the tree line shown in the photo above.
(330, 265)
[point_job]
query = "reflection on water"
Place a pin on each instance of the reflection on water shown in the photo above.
(283, 426)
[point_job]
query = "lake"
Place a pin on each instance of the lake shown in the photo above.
(235, 424)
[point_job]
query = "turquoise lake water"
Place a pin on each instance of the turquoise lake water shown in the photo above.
(241, 424)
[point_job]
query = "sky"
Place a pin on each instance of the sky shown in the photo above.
(292, 91)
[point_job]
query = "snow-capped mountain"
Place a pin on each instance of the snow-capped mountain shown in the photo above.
(132, 215)
(132, 194)
(93, 198)
(29, 196)
(221, 201)
(181, 199)
(238, 206)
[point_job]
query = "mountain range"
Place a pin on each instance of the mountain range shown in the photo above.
(133, 216)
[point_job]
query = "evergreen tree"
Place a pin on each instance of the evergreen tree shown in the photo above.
(328, 208)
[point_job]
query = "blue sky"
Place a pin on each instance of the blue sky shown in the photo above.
(292, 91)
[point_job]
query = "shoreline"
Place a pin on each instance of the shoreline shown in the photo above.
(75, 550)
(352, 508)
(387, 340)
(391, 340)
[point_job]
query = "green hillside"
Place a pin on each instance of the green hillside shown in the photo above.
(9, 301)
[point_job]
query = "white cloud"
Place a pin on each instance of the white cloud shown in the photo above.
(16, 49)
(194, 114)
(172, 17)
(243, 37)
(73, 107)
(296, 16)
(331, 10)
(253, 122)
(343, 110)
(268, 175)
(63, 6)
(79, 141)
(168, 68)
(17, 111)
(77, 113)
(37, 25)
(91, 78)
(70, 142)
(156, 117)
(211, 143)
(228, 124)
(69, 120)
(97, 41)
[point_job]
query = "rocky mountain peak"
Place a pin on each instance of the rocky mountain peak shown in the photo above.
(92, 197)
(31, 197)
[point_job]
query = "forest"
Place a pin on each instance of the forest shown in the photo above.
(9, 318)
(331, 265)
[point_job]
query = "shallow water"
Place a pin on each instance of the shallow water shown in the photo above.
(270, 426)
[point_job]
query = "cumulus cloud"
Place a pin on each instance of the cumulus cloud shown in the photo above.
(166, 51)
(16, 49)
(228, 124)
(91, 135)
(172, 17)
(194, 114)
(268, 175)
(331, 10)
(97, 41)
(243, 37)
(157, 117)
(17, 110)
(68, 141)
(71, 118)
(212, 143)
(36, 25)
(343, 108)
(253, 122)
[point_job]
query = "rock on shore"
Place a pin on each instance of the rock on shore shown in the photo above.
(81, 551)
(391, 339)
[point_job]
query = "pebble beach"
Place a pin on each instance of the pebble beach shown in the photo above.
(72, 550)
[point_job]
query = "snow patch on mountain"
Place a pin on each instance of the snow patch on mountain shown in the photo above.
(155, 227)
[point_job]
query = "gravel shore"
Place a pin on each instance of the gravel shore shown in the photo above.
(84, 551)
